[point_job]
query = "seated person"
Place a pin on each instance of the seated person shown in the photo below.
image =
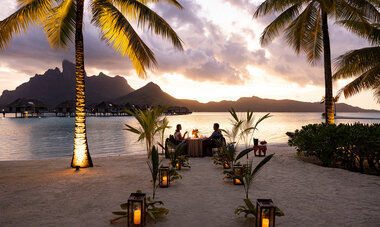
(177, 134)
(211, 142)
(217, 134)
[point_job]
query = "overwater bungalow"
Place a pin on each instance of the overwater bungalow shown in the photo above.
(65, 109)
(27, 108)
(177, 110)
(107, 109)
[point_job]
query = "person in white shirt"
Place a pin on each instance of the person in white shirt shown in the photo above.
(177, 134)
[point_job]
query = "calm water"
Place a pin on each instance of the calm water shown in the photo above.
(50, 137)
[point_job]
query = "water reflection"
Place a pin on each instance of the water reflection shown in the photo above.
(50, 137)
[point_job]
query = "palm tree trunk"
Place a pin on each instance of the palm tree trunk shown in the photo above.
(81, 155)
(329, 103)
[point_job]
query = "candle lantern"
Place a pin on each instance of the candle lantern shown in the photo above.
(164, 176)
(178, 165)
(265, 213)
(226, 165)
(238, 170)
(136, 210)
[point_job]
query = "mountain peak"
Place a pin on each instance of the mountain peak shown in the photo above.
(68, 68)
(151, 85)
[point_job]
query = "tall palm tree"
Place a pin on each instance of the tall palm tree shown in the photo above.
(63, 19)
(306, 28)
(363, 63)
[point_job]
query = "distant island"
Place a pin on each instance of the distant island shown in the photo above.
(55, 87)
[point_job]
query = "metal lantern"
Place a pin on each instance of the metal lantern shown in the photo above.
(226, 165)
(238, 170)
(136, 209)
(265, 213)
(164, 177)
(178, 165)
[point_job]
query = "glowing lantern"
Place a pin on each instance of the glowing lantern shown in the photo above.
(164, 176)
(238, 170)
(178, 165)
(226, 165)
(136, 209)
(265, 213)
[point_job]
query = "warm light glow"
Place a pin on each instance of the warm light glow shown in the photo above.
(237, 181)
(137, 217)
(265, 222)
(165, 180)
(177, 165)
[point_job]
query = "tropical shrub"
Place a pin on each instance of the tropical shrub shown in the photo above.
(154, 163)
(355, 147)
(150, 124)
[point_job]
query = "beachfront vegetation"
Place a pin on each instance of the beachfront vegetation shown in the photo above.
(354, 147)
(249, 208)
(227, 153)
(306, 28)
(164, 124)
(153, 211)
(63, 22)
(243, 128)
(364, 64)
(247, 176)
(149, 121)
(154, 164)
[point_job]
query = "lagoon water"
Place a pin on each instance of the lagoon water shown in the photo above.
(52, 137)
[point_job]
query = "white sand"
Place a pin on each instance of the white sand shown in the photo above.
(49, 193)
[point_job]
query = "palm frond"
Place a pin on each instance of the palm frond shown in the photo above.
(363, 29)
(60, 24)
(297, 31)
(314, 40)
(273, 29)
(368, 80)
(357, 10)
(119, 33)
(356, 62)
(172, 2)
(147, 17)
(29, 14)
(271, 6)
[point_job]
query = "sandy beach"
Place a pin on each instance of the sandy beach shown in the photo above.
(50, 193)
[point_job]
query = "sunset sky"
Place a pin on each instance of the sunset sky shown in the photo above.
(222, 59)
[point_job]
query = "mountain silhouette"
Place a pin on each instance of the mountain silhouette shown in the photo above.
(54, 87)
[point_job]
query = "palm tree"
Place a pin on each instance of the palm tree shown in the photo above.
(363, 62)
(64, 19)
(149, 125)
(306, 28)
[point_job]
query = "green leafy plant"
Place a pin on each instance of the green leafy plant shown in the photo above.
(355, 147)
(247, 176)
(249, 208)
(163, 125)
(149, 124)
(154, 164)
(183, 161)
(251, 173)
(249, 126)
(236, 123)
(153, 211)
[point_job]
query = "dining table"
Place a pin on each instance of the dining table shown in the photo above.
(194, 147)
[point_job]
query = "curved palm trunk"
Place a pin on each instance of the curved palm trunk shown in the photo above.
(81, 155)
(329, 102)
